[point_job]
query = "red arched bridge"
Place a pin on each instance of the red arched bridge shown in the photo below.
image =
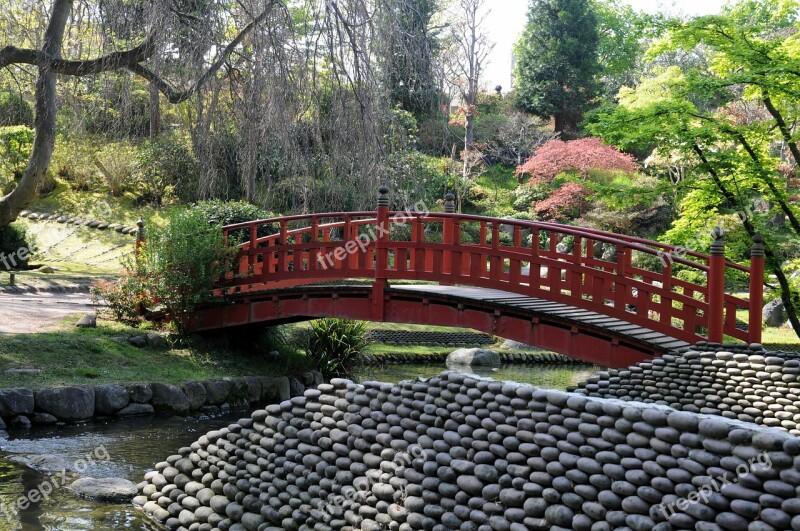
(593, 295)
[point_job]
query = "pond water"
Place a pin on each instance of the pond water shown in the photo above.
(119, 448)
(128, 448)
(551, 376)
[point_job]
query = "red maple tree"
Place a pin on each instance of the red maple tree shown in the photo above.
(582, 156)
(558, 156)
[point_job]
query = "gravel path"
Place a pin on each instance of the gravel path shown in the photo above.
(39, 312)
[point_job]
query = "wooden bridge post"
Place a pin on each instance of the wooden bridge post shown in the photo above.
(139, 236)
(447, 232)
(716, 287)
(756, 289)
(381, 254)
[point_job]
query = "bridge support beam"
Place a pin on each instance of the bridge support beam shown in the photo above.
(756, 288)
(716, 287)
(381, 254)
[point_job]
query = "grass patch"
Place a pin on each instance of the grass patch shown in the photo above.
(73, 356)
(64, 199)
(381, 349)
(782, 335)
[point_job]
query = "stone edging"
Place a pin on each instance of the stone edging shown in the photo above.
(19, 407)
(72, 288)
(448, 339)
(79, 221)
(505, 357)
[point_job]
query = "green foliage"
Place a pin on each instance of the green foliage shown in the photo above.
(557, 61)
(414, 177)
(179, 264)
(335, 345)
(16, 142)
(623, 34)
(117, 163)
(13, 238)
(166, 168)
(14, 110)
(123, 297)
(120, 109)
(72, 161)
(401, 131)
(221, 213)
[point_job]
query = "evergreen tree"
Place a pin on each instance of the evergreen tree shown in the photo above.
(557, 61)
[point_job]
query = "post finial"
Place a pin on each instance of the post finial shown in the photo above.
(718, 245)
(449, 203)
(383, 197)
(140, 230)
(758, 246)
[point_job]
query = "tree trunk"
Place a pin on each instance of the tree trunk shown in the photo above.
(566, 124)
(155, 113)
(45, 123)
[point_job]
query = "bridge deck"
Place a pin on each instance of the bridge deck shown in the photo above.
(554, 309)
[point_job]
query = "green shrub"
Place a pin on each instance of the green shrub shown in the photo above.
(166, 168)
(72, 161)
(224, 213)
(180, 263)
(14, 238)
(122, 297)
(116, 162)
(14, 110)
(16, 143)
(416, 178)
(335, 345)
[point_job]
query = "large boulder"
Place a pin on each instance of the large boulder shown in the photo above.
(296, 387)
(474, 357)
(112, 490)
(66, 403)
(254, 388)
(217, 390)
(170, 400)
(275, 389)
(774, 313)
(196, 393)
(110, 398)
(140, 393)
(16, 401)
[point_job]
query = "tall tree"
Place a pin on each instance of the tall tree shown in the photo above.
(469, 57)
(557, 66)
(731, 119)
(408, 47)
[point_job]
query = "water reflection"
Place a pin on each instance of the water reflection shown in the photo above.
(551, 376)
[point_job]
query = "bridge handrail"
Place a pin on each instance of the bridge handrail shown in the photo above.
(633, 243)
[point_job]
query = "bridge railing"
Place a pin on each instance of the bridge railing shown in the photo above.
(668, 289)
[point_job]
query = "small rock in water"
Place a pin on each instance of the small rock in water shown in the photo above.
(112, 490)
(45, 463)
(473, 357)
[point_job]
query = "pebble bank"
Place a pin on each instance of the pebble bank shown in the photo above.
(459, 452)
(737, 382)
